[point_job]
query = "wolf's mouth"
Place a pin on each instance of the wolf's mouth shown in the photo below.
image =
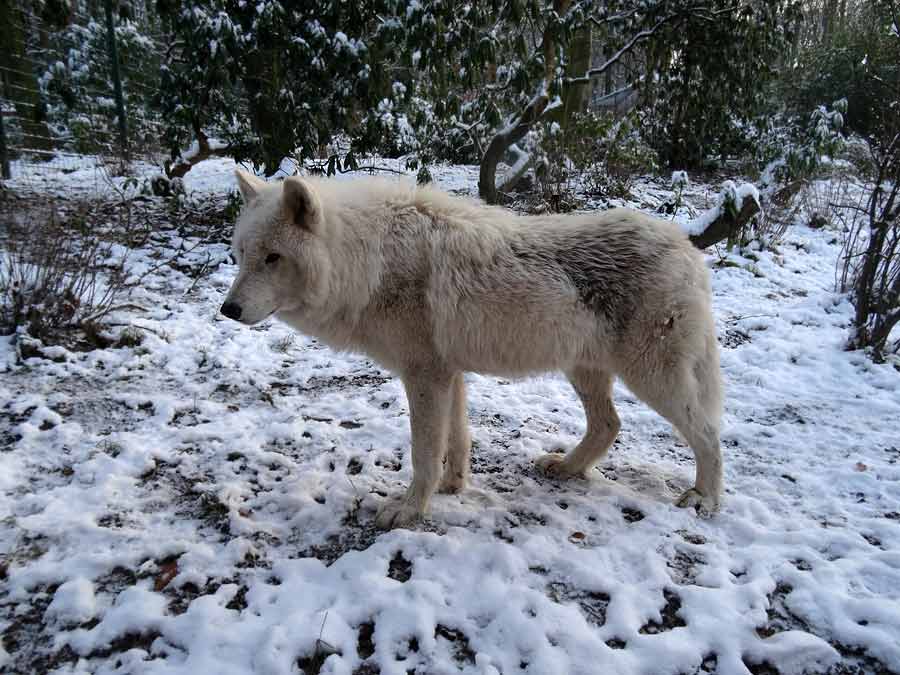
(265, 318)
(256, 322)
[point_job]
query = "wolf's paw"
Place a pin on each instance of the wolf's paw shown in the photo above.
(397, 513)
(554, 465)
(693, 498)
(452, 484)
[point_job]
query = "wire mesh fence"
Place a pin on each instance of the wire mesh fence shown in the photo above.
(77, 86)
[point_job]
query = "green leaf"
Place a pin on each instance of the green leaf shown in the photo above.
(424, 176)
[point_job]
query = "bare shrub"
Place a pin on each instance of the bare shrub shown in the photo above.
(819, 201)
(821, 197)
(66, 264)
(779, 212)
(596, 153)
(795, 157)
(57, 270)
(870, 261)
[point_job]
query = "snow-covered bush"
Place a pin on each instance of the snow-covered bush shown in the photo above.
(559, 156)
(845, 50)
(79, 91)
(707, 85)
(793, 148)
(273, 81)
(822, 138)
(791, 153)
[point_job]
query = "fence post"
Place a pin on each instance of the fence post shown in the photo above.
(117, 80)
(5, 173)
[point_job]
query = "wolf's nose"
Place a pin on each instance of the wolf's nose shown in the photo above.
(232, 310)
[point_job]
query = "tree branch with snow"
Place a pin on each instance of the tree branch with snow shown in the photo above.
(202, 148)
(735, 207)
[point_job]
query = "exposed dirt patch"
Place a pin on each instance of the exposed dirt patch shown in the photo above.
(591, 603)
(400, 569)
(239, 601)
(734, 338)
(319, 385)
(710, 664)
(312, 665)
(669, 616)
(126, 642)
(785, 414)
(778, 617)
(691, 538)
(462, 652)
(683, 567)
(354, 536)
(632, 515)
(365, 643)
(27, 638)
(367, 669)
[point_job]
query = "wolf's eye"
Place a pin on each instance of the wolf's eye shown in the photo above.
(272, 258)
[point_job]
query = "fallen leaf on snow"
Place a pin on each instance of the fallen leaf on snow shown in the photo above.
(168, 571)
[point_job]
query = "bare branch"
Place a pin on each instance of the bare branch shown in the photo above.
(637, 38)
(696, 11)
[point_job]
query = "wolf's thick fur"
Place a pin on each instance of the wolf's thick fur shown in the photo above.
(433, 286)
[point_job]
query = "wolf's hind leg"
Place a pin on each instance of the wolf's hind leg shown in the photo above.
(459, 442)
(594, 388)
(688, 394)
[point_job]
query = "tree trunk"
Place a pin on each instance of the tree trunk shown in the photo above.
(882, 331)
(576, 96)
(501, 142)
(519, 125)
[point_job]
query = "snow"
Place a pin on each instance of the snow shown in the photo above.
(522, 160)
(204, 502)
(73, 602)
(70, 175)
(680, 179)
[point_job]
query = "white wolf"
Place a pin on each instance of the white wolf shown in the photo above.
(432, 286)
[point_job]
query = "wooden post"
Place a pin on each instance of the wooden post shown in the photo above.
(117, 80)
(5, 172)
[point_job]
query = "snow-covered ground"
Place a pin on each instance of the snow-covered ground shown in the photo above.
(204, 502)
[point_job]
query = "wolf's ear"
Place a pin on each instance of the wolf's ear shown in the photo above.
(249, 185)
(300, 204)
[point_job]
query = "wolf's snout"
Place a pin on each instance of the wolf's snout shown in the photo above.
(232, 310)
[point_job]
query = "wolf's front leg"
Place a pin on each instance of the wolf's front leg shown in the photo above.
(429, 411)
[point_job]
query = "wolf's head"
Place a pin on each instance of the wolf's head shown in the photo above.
(279, 245)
